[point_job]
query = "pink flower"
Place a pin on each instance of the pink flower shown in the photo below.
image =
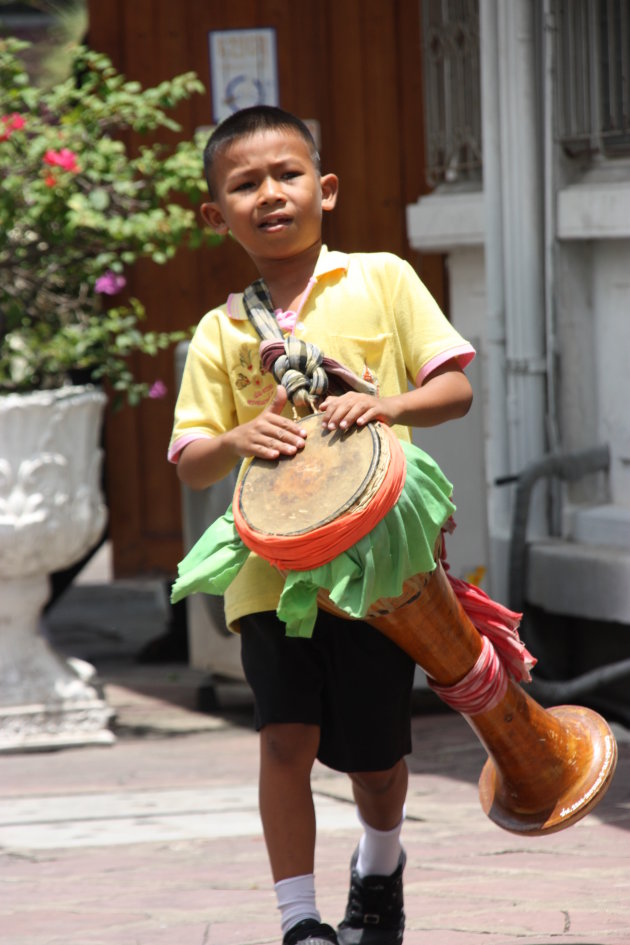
(64, 158)
(11, 123)
(110, 283)
(158, 390)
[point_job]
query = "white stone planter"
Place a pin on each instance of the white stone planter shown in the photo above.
(51, 513)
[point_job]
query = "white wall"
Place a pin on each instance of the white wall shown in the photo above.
(611, 304)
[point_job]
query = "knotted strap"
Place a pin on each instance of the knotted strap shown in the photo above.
(300, 372)
(298, 365)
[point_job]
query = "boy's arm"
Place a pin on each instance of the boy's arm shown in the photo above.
(205, 461)
(444, 395)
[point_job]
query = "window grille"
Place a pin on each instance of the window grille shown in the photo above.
(452, 90)
(593, 43)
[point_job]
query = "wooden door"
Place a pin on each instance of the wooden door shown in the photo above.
(354, 66)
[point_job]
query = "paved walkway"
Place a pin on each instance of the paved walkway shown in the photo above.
(156, 840)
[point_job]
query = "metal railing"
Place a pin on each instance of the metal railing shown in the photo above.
(452, 90)
(593, 85)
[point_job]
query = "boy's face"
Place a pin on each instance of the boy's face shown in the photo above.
(269, 195)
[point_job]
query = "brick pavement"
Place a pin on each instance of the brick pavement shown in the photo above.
(156, 840)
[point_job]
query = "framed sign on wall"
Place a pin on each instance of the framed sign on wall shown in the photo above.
(243, 69)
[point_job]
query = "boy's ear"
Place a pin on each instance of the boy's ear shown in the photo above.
(330, 189)
(211, 214)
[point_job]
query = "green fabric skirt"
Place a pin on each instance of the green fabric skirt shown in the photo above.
(401, 545)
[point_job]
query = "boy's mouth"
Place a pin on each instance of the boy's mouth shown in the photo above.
(274, 222)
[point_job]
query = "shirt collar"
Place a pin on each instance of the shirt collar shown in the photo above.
(329, 261)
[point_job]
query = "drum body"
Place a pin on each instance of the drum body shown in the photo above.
(546, 768)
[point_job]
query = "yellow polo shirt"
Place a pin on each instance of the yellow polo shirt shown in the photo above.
(369, 311)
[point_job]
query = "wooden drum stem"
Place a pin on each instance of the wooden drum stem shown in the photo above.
(546, 768)
(432, 628)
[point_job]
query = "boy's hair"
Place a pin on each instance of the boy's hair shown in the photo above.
(249, 121)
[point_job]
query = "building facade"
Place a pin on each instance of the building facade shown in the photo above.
(531, 207)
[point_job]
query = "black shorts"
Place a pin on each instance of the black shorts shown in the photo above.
(347, 678)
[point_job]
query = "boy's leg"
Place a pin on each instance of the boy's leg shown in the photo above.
(375, 913)
(380, 798)
(287, 754)
(380, 795)
(285, 679)
(373, 700)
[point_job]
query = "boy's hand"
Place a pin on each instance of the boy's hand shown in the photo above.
(445, 394)
(269, 435)
(353, 408)
(207, 460)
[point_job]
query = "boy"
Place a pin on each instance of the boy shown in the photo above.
(342, 696)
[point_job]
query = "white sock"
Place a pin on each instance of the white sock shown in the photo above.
(296, 900)
(379, 850)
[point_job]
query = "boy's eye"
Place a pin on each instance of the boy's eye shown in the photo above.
(244, 185)
(289, 175)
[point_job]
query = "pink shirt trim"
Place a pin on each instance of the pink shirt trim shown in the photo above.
(231, 306)
(463, 354)
(178, 445)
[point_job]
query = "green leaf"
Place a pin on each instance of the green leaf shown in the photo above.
(99, 198)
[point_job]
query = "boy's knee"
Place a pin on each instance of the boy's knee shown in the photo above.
(290, 743)
(378, 782)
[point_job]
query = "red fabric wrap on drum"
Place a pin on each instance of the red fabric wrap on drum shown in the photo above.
(481, 689)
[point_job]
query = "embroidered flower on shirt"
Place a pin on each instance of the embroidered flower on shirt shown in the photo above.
(241, 382)
(369, 376)
(251, 369)
(249, 373)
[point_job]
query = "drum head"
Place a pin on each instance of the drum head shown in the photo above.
(294, 495)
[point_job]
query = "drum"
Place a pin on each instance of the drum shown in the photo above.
(302, 513)
(546, 768)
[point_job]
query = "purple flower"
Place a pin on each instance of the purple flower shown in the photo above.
(110, 283)
(158, 390)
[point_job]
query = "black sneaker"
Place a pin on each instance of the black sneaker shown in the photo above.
(310, 932)
(374, 914)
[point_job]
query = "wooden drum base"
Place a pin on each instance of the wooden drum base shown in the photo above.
(580, 763)
(546, 768)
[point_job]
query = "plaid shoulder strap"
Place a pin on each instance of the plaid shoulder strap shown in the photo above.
(259, 308)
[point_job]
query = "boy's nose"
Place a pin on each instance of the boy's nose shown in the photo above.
(270, 190)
